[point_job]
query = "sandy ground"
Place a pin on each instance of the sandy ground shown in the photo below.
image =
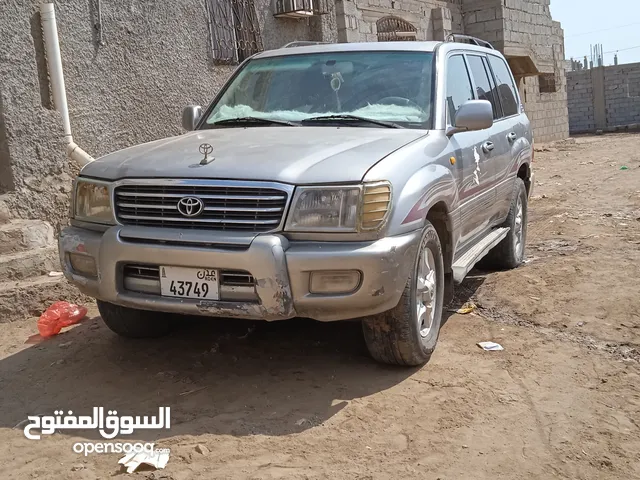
(302, 400)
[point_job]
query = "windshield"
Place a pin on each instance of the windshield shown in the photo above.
(386, 86)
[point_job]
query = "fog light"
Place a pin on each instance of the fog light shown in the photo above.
(342, 281)
(83, 264)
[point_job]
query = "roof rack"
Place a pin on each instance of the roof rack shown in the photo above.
(456, 37)
(302, 43)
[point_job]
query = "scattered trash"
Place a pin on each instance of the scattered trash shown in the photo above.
(189, 392)
(302, 421)
(624, 167)
(202, 450)
(65, 345)
(77, 467)
(132, 461)
(59, 315)
(580, 324)
(466, 308)
(490, 346)
(56, 274)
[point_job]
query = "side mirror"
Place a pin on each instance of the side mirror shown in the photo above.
(190, 116)
(472, 116)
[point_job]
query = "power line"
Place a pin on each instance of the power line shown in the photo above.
(602, 30)
(607, 53)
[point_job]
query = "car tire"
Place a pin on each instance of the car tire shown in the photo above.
(397, 336)
(133, 323)
(509, 253)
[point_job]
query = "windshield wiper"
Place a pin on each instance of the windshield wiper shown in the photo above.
(349, 119)
(252, 120)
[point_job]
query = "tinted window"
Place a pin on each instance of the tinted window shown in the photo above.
(506, 88)
(459, 88)
(485, 89)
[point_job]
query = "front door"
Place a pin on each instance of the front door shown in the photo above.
(476, 192)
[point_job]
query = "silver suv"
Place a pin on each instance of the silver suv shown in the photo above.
(334, 182)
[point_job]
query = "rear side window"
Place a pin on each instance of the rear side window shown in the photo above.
(506, 89)
(459, 88)
(485, 88)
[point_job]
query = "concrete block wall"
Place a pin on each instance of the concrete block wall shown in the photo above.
(433, 19)
(528, 23)
(604, 98)
(580, 101)
(622, 94)
(484, 19)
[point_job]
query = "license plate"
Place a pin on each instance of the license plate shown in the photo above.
(184, 282)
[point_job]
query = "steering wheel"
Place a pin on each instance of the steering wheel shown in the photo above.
(400, 101)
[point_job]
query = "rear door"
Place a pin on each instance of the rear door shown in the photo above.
(496, 148)
(476, 192)
(513, 132)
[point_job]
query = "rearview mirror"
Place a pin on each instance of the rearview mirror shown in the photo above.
(472, 116)
(190, 116)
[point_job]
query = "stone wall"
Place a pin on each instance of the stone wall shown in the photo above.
(604, 98)
(155, 59)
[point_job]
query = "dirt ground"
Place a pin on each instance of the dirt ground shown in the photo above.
(302, 400)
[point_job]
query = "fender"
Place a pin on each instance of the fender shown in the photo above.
(428, 186)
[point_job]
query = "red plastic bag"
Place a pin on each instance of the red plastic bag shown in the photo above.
(59, 315)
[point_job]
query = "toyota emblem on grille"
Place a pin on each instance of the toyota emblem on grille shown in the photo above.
(190, 206)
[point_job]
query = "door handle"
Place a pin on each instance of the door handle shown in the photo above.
(487, 147)
(512, 137)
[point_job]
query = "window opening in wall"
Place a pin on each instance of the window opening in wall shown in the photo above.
(300, 8)
(234, 32)
(394, 29)
(547, 83)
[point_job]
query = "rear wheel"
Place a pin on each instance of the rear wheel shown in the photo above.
(132, 323)
(408, 333)
(509, 253)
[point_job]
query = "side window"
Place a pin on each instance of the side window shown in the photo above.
(506, 89)
(485, 88)
(459, 88)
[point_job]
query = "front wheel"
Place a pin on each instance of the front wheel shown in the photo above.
(133, 323)
(408, 333)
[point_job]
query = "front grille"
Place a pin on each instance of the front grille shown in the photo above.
(237, 278)
(256, 209)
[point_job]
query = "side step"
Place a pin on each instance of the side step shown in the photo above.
(465, 263)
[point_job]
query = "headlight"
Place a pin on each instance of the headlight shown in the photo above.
(340, 209)
(93, 202)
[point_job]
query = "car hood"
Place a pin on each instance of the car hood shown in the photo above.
(297, 155)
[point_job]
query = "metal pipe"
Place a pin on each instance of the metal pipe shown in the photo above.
(56, 78)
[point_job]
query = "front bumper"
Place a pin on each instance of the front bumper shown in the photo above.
(280, 269)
